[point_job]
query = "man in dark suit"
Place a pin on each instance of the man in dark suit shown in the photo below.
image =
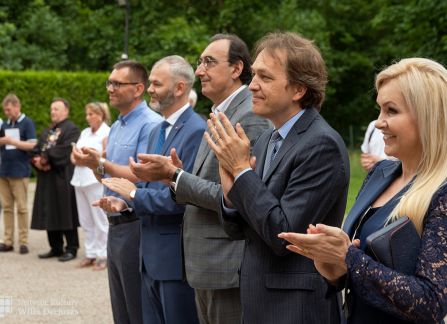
(212, 260)
(301, 177)
(171, 298)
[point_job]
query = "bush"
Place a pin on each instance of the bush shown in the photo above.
(37, 89)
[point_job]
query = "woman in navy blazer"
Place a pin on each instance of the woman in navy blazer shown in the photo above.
(412, 95)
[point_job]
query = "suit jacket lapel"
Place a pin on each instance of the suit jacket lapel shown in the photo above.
(204, 148)
(301, 125)
(377, 183)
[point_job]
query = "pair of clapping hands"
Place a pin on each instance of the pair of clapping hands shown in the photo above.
(151, 167)
(326, 245)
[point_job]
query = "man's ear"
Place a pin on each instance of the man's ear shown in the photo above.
(237, 69)
(139, 90)
(179, 88)
(299, 92)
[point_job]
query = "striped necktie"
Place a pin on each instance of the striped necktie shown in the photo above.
(272, 149)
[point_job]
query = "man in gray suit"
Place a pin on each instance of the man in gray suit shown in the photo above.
(212, 260)
(301, 178)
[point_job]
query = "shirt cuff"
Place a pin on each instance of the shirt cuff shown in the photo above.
(240, 174)
(178, 178)
(229, 212)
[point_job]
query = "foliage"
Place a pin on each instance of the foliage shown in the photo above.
(357, 38)
(358, 174)
(37, 89)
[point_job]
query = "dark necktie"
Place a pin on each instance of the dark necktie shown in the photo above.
(161, 137)
(272, 149)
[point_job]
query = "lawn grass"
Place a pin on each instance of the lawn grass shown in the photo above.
(357, 177)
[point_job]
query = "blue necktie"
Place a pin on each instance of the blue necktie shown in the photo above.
(161, 137)
(272, 149)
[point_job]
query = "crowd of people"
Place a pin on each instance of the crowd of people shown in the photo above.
(238, 219)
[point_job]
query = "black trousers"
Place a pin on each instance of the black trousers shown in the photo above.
(56, 240)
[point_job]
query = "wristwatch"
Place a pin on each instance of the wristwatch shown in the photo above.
(175, 176)
(100, 169)
(132, 194)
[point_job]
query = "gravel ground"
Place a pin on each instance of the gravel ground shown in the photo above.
(48, 291)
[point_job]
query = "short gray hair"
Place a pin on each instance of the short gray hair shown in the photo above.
(180, 69)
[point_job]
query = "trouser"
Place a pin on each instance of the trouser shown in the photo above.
(14, 191)
(171, 301)
(93, 220)
(56, 240)
(219, 306)
(123, 246)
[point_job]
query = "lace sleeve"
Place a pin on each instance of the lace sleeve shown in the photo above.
(421, 297)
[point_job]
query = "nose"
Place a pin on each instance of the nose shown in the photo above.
(380, 122)
(254, 85)
(110, 88)
(200, 70)
(150, 89)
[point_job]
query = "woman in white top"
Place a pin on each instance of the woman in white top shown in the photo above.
(373, 147)
(88, 189)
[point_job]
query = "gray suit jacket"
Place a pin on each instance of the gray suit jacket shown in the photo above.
(212, 260)
(307, 183)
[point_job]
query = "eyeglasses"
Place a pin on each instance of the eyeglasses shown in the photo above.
(207, 62)
(116, 85)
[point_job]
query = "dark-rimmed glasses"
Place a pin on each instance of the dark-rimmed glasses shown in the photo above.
(116, 84)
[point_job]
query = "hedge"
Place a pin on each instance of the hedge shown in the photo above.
(37, 89)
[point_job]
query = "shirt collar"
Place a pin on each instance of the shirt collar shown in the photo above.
(175, 116)
(21, 117)
(224, 104)
(285, 129)
(134, 113)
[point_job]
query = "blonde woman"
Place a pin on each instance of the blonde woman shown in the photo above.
(412, 95)
(88, 189)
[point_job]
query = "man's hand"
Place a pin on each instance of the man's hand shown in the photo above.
(77, 157)
(232, 147)
(110, 204)
(227, 181)
(38, 163)
(87, 156)
(154, 167)
(6, 140)
(121, 186)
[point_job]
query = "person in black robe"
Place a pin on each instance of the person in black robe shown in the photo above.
(54, 207)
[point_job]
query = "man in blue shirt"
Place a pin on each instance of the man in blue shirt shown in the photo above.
(128, 136)
(19, 136)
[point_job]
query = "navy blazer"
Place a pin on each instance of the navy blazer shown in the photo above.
(375, 183)
(160, 217)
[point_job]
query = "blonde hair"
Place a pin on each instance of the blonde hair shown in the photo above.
(423, 84)
(100, 108)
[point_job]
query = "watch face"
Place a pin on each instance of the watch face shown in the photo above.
(100, 170)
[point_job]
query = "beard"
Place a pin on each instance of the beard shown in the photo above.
(161, 104)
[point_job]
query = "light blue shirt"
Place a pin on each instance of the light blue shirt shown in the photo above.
(129, 136)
